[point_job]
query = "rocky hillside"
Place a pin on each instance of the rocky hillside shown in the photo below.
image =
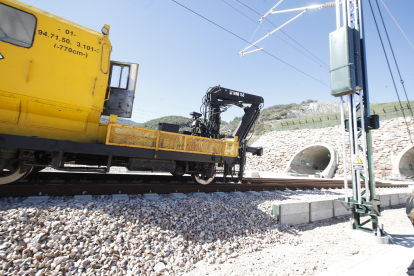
(313, 109)
(279, 147)
(273, 115)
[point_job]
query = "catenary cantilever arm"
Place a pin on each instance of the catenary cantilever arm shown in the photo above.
(271, 11)
(242, 53)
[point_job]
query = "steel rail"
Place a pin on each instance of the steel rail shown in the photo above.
(69, 184)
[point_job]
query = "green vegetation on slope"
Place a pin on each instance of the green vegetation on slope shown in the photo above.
(275, 117)
(391, 107)
(183, 122)
(334, 118)
(269, 117)
(280, 111)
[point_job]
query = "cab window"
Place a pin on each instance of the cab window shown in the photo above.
(16, 27)
(119, 76)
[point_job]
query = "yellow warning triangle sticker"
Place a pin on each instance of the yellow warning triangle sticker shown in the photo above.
(357, 160)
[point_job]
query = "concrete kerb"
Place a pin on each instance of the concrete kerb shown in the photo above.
(384, 200)
(36, 199)
(294, 213)
(83, 197)
(340, 209)
(402, 197)
(291, 213)
(178, 195)
(120, 197)
(394, 200)
(220, 194)
(151, 196)
(321, 209)
(200, 194)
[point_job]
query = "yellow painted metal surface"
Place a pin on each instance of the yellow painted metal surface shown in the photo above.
(120, 135)
(113, 119)
(172, 141)
(102, 130)
(231, 148)
(53, 82)
(54, 85)
(105, 58)
(9, 110)
(52, 116)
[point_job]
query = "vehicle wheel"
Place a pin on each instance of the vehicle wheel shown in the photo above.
(14, 172)
(198, 178)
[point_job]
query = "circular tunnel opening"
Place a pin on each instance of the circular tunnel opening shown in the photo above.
(317, 160)
(406, 163)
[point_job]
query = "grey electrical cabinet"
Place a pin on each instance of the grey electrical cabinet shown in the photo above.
(358, 60)
(342, 55)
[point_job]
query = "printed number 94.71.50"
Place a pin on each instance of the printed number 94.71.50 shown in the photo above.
(51, 35)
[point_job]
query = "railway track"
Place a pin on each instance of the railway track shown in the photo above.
(59, 184)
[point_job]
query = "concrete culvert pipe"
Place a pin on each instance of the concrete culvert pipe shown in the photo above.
(315, 160)
(403, 164)
(409, 207)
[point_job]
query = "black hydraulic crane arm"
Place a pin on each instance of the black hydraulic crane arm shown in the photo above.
(218, 98)
(216, 101)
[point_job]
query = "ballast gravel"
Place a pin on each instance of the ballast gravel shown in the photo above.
(323, 245)
(230, 235)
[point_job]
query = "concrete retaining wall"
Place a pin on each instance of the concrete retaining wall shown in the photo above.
(294, 213)
(340, 209)
(390, 142)
(321, 209)
(384, 200)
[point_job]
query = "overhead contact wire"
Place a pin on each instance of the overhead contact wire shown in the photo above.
(255, 22)
(392, 76)
(283, 32)
(397, 24)
(250, 43)
(395, 60)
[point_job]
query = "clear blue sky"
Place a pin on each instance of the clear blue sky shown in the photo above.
(181, 55)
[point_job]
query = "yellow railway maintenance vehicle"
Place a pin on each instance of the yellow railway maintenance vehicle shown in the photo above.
(56, 82)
